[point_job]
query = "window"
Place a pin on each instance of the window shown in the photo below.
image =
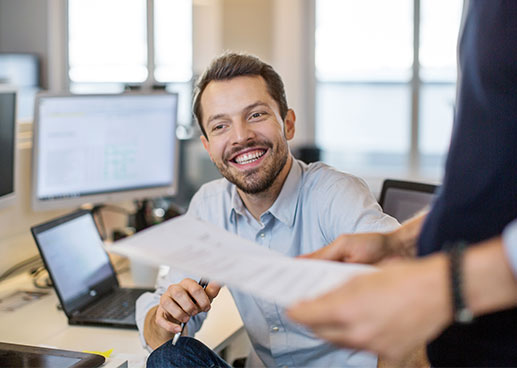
(107, 44)
(369, 77)
(114, 44)
(173, 41)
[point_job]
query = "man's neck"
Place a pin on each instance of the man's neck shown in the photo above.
(259, 203)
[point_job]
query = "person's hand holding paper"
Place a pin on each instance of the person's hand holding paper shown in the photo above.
(218, 255)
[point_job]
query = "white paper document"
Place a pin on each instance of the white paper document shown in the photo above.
(203, 249)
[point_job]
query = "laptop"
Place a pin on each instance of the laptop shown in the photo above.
(403, 199)
(82, 274)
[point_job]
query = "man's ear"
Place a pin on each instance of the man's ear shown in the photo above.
(289, 123)
(206, 144)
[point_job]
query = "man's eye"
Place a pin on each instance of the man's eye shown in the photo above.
(256, 115)
(218, 127)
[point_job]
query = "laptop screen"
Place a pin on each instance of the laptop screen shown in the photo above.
(74, 255)
(405, 203)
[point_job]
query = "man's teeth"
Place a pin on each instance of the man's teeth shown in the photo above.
(249, 157)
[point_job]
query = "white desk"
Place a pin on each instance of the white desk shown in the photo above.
(41, 323)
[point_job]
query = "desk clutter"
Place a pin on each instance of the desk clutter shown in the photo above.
(19, 298)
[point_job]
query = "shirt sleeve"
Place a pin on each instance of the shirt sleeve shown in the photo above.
(352, 208)
(510, 244)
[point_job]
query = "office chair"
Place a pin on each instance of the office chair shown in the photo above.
(403, 199)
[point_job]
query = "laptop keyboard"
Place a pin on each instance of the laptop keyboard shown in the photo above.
(118, 306)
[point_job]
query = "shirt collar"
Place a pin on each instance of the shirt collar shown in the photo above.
(284, 207)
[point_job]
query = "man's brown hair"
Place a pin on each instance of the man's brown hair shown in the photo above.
(231, 65)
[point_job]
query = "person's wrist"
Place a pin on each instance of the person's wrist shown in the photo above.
(396, 244)
(390, 244)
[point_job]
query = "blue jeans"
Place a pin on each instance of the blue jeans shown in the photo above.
(188, 352)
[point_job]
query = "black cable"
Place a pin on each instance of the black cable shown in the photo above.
(37, 275)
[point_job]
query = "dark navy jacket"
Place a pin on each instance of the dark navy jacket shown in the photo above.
(479, 193)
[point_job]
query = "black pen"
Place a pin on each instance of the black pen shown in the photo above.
(203, 283)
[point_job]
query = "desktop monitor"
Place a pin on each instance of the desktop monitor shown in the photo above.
(21, 70)
(403, 199)
(103, 148)
(7, 145)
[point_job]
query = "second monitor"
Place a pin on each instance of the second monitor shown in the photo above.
(103, 148)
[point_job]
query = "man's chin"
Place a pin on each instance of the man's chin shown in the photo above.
(248, 182)
(254, 188)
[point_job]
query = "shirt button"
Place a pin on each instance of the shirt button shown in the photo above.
(262, 235)
(275, 329)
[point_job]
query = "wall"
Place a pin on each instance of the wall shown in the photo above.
(248, 27)
(293, 58)
(23, 28)
(207, 36)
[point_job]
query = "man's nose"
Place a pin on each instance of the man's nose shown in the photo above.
(242, 133)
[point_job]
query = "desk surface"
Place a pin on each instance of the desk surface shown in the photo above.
(41, 323)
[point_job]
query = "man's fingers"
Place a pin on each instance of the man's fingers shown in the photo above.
(172, 309)
(163, 319)
(212, 290)
(199, 296)
(331, 252)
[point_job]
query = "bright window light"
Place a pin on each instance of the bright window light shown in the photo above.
(107, 41)
(173, 40)
(440, 23)
(364, 40)
(364, 69)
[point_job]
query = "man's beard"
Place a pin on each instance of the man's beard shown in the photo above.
(260, 179)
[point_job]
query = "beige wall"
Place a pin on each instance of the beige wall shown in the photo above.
(207, 32)
(232, 25)
(248, 27)
(23, 28)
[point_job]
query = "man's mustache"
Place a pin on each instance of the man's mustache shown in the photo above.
(251, 144)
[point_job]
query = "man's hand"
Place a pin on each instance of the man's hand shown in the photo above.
(178, 304)
(390, 312)
(366, 248)
(371, 248)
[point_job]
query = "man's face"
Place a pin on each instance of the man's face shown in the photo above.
(246, 136)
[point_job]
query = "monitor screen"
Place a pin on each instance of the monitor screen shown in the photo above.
(21, 70)
(7, 146)
(404, 199)
(103, 148)
(404, 204)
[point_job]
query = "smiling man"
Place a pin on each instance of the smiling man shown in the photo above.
(266, 196)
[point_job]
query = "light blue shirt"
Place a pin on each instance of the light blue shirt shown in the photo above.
(315, 205)
(510, 244)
